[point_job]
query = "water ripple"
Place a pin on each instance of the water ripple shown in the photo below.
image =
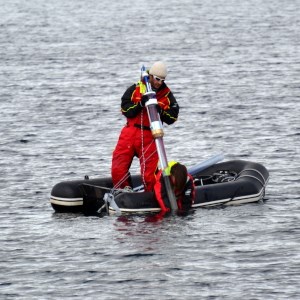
(234, 71)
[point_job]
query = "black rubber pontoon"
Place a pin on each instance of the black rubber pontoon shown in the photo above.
(227, 183)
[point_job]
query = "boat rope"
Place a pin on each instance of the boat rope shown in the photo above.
(109, 197)
(251, 176)
(127, 175)
(262, 182)
(223, 176)
(143, 168)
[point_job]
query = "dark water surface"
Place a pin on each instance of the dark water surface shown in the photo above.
(233, 66)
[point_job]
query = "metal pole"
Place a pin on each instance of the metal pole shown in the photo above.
(158, 133)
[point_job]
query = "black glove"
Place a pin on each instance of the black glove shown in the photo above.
(144, 100)
(186, 203)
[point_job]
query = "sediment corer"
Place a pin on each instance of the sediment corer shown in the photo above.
(151, 105)
(156, 125)
(158, 133)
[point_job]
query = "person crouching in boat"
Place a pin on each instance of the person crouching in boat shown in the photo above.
(182, 184)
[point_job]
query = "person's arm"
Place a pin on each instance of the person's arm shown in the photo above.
(130, 108)
(170, 114)
(189, 194)
(160, 192)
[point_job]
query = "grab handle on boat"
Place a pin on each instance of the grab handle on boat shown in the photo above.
(110, 199)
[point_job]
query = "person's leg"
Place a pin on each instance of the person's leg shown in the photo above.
(148, 163)
(122, 158)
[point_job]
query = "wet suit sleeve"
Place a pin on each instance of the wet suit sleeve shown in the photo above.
(170, 114)
(160, 192)
(188, 196)
(129, 108)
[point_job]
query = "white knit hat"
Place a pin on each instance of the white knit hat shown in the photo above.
(159, 69)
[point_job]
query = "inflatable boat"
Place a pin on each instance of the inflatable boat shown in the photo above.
(227, 183)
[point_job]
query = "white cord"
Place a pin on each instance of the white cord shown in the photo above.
(143, 154)
(126, 176)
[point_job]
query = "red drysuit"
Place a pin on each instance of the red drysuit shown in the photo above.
(185, 199)
(136, 137)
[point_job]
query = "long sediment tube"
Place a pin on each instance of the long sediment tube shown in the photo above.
(158, 133)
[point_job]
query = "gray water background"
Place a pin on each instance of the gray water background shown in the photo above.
(234, 69)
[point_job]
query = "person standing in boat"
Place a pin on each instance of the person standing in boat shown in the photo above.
(136, 138)
(182, 184)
